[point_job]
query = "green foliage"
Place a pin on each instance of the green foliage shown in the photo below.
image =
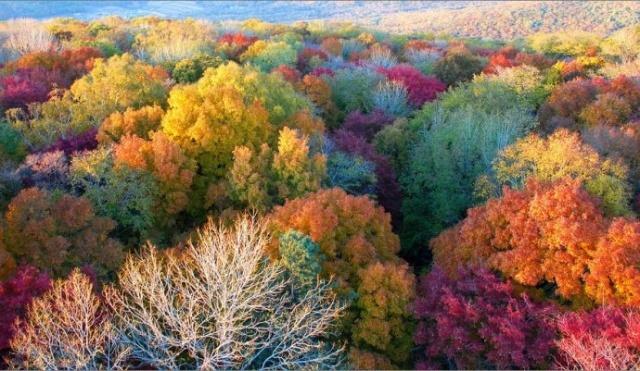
(352, 173)
(266, 55)
(353, 88)
(457, 66)
(455, 148)
(190, 70)
(12, 147)
(301, 257)
(120, 193)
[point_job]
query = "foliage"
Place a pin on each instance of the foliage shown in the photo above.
(137, 122)
(355, 236)
(551, 233)
(440, 176)
(46, 170)
(387, 187)
(351, 173)
(113, 85)
(352, 88)
(242, 301)
(301, 257)
(366, 125)
(55, 232)
(263, 179)
(560, 155)
(390, 98)
(12, 147)
(191, 70)
(16, 293)
(276, 95)
(267, 55)
(457, 66)
(420, 88)
(172, 170)
(120, 193)
(479, 322)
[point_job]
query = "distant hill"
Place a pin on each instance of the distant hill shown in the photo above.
(489, 19)
(506, 20)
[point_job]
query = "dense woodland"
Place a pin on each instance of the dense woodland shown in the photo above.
(186, 194)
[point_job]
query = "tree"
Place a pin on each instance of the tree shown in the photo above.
(554, 234)
(267, 55)
(301, 257)
(118, 83)
(16, 293)
(265, 178)
(605, 338)
(478, 321)
(560, 155)
(67, 327)
(190, 70)
(276, 95)
(355, 235)
(420, 88)
(455, 147)
(137, 122)
(121, 193)
(218, 303)
(171, 168)
(112, 86)
(56, 232)
(457, 66)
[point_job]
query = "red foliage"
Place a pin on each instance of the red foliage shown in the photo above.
(31, 78)
(15, 295)
(606, 338)
(305, 57)
(319, 71)
(366, 125)
(387, 187)
(478, 322)
(26, 86)
(289, 73)
(236, 43)
(76, 143)
(421, 88)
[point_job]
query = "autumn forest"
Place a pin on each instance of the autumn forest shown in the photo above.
(190, 194)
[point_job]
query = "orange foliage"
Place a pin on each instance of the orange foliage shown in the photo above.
(544, 233)
(332, 45)
(137, 122)
(360, 248)
(166, 161)
(57, 232)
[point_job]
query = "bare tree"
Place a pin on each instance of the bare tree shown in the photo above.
(67, 328)
(219, 304)
(25, 35)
